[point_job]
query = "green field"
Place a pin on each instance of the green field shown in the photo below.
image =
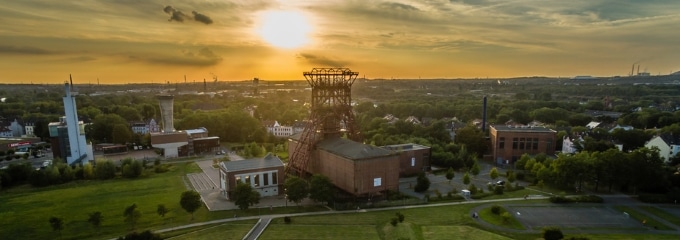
(25, 210)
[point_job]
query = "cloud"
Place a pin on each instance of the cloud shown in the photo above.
(320, 60)
(5, 49)
(179, 16)
(202, 18)
(203, 57)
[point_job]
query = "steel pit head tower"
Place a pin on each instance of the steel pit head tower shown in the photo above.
(331, 113)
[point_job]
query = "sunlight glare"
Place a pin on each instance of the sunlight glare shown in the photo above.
(284, 29)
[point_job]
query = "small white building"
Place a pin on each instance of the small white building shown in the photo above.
(668, 145)
(265, 175)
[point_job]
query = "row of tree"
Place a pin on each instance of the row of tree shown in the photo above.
(190, 201)
(639, 170)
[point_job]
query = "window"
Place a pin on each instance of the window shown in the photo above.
(514, 143)
(238, 179)
(256, 180)
(247, 180)
(275, 179)
(501, 143)
(549, 146)
(521, 143)
(413, 161)
(535, 144)
(266, 179)
(377, 182)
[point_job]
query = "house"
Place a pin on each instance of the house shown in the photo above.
(265, 175)
(668, 145)
(391, 119)
(624, 127)
(29, 129)
(5, 132)
(591, 125)
(277, 129)
(413, 120)
(145, 127)
(568, 144)
(509, 143)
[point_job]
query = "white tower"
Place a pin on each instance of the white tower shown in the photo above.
(79, 151)
(166, 104)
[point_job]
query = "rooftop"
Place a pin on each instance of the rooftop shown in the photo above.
(405, 147)
(351, 149)
(267, 161)
(511, 128)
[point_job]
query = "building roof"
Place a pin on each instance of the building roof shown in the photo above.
(196, 131)
(405, 147)
(267, 161)
(670, 139)
(352, 150)
(510, 128)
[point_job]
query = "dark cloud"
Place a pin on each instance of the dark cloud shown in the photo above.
(320, 60)
(179, 16)
(202, 18)
(398, 6)
(5, 49)
(175, 15)
(203, 57)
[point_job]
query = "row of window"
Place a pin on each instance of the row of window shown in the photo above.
(259, 179)
(520, 143)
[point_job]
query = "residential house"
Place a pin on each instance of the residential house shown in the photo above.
(668, 145)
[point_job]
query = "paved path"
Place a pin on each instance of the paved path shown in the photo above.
(259, 227)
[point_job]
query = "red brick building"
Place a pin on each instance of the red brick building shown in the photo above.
(508, 143)
(413, 158)
(354, 167)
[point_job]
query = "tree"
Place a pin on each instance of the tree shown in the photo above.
(121, 134)
(552, 233)
(57, 224)
(245, 195)
(132, 215)
(475, 169)
(422, 183)
(321, 188)
(162, 210)
(105, 169)
(493, 173)
(450, 174)
(95, 219)
(190, 202)
(146, 235)
(511, 176)
(466, 179)
(297, 189)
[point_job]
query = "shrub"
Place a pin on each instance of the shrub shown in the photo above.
(552, 233)
(473, 189)
(495, 209)
(394, 221)
(506, 217)
(498, 190)
(287, 220)
(559, 199)
(400, 216)
(519, 176)
(654, 198)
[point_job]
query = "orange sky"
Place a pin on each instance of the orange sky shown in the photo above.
(127, 41)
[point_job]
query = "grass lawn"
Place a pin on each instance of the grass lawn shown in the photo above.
(494, 219)
(650, 222)
(662, 214)
(25, 210)
(459, 232)
(233, 230)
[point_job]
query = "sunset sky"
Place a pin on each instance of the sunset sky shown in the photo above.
(133, 41)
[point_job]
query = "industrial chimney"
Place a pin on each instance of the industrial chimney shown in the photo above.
(166, 103)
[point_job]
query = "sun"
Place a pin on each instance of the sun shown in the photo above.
(284, 29)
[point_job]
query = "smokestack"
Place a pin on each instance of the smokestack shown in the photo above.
(484, 116)
(632, 69)
(638, 71)
(166, 104)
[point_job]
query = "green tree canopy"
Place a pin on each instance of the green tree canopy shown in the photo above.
(321, 189)
(297, 189)
(245, 195)
(190, 202)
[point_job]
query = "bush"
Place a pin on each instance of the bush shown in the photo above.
(654, 198)
(519, 176)
(552, 233)
(495, 209)
(146, 235)
(422, 183)
(480, 195)
(584, 199)
(498, 190)
(394, 221)
(287, 220)
(400, 217)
